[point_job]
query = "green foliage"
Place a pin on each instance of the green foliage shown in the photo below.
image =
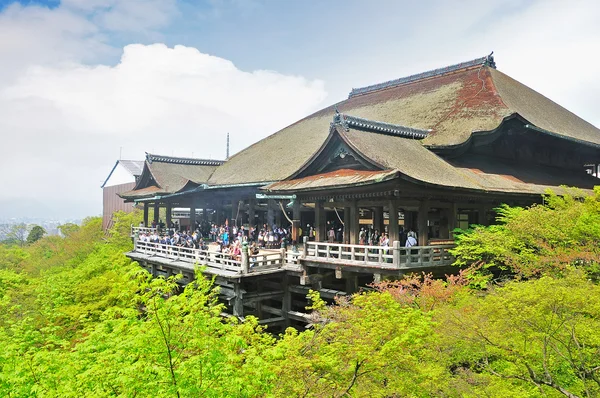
(78, 318)
(36, 233)
(540, 336)
(68, 229)
(543, 239)
(16, 235)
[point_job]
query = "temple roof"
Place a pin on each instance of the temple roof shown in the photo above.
(168, 174)
(409, 160)
(133, 167)
(448, 104)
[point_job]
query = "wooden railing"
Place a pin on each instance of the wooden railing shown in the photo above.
(192, 256)
(136, 231)
(394, 256)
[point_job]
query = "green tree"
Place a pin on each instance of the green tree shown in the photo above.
(543, 239)
(68, 229)
(16, 234)
(540, 336)
(36, 233)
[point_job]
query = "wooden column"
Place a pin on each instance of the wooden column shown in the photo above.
(234, 211)
(218, 220)
(286, 302)
(238, 301)
(452, 219)
(145, 214)
(347, 224)
(393, 231)
(296, 221)
(155, 211)
(378, 218)
(482, 215)
(169, 215)
(354, 223)
(320, 222)
(251, 206)
(423, 230)
(351, 283)
(192, 217)
(270, 213)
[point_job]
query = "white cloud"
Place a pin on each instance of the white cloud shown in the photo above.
(70, 119)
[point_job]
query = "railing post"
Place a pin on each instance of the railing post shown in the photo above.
(283, 257)
(305, 245)
(245, 258)
(396, 253)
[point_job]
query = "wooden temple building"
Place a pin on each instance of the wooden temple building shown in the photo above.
(427, 153)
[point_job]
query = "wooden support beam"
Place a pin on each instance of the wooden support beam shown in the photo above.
(320, 222)
(286, 301)
(351, 283)
(192, 217)
(169, 217)
(145, 214)
(378, 218)
(270, 213)
(251, 218)
(238, 301)
(354, 223)
(452, 219)
(393, 231)
(155, 212)
(347, 223)
(422, 220)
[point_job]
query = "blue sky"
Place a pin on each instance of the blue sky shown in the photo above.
(82, 80)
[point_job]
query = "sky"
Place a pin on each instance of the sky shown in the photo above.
(83, 82)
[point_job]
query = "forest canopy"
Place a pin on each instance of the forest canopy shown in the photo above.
(78, 318)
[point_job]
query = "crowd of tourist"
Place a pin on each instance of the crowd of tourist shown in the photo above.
(229, 239)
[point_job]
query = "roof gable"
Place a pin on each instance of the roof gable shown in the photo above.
(124, 171)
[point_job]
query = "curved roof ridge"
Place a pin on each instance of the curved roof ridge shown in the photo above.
(183, 160)
(487, 60)
(375, 126)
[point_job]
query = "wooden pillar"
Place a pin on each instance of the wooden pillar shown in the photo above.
(347, 224)
(270, 213)
(452, 219)
(320, 222)
(218, 221)
(169, 215)
(296, 221)
(482, 215)
(351, 283)
(393, 232)
(354, 223)
(234, 211)
(286, 302)
(423, 230)
(145, 214)
(378, 218)
(192, 217)
(155, 211)
(238, 301)
(251, 219)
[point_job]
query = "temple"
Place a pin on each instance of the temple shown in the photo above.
(427, 153)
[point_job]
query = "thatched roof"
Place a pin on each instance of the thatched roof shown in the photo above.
(167, 174)
(452, 102)
(408, 159)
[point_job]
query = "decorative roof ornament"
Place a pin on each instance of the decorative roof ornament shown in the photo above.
(191, 161)
(483, 61)
(373, 126)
